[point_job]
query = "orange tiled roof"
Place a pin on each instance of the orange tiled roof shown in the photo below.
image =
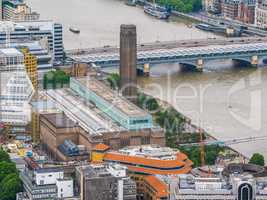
(138, 160)
(101, 147)
(183, 170)
(159, 186)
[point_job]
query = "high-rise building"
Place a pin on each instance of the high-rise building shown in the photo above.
(49, 30)
(16, 89)
(128, 56)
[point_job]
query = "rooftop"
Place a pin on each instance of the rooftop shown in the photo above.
(59, 120)
(48, 170)
(44, 25)
(10, 52)
(159, 186)
(113, 98)
(151, 151)
(87, 116)
(151, 160)
(101, 147)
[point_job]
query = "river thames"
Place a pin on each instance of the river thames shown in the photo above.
(229, 102)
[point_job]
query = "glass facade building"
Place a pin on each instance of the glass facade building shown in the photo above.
(16, 88)
(35, 30)
(114, 105)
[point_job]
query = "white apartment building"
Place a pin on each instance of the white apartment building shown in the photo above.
(46, 184)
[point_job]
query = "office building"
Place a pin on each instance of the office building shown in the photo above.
(246, 11)
(105, 182)
(261, 14)
(150, 159)
(236, 182)
(146, 160)
(16, 90)
(128, 57)
(230, 8)
(37, 48)
(46, 183)
(30, 62)
(35, 30)
(18, 10)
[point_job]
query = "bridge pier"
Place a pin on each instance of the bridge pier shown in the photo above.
(248, 62)
(199, 65)
(194, 65)
(254, 61)
(146, 69)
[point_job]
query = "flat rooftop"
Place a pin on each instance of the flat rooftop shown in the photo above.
(85, 115)
(42, 25)
(10, 52)
(59, 120)
(112, 97)
(150, 151)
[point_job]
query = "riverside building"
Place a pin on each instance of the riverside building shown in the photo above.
(18, 10)
(101, 115)
(261, 13)
(35, 30)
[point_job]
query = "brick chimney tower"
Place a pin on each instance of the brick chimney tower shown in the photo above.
(128, 56)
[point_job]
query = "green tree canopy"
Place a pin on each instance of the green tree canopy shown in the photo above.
(10, 186)
(114, 80)
(4, 156)
(185, 6)
(55, 79)
(147, 102)
(257, 159)
(6, 168)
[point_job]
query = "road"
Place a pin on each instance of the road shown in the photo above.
(222, 22)
(170, 45)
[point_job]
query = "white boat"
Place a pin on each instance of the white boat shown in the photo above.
(74, 30)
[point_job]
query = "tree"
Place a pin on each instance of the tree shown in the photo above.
(45, 81)
(55, 79)
(6, 168)
(4, 156)
(147, 102)
(257, 159)
(114, 80)
(10, 186)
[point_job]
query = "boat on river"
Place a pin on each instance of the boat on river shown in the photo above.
(74, 30)
(156, 11)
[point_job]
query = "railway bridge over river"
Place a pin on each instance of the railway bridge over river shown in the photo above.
(191, 57)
